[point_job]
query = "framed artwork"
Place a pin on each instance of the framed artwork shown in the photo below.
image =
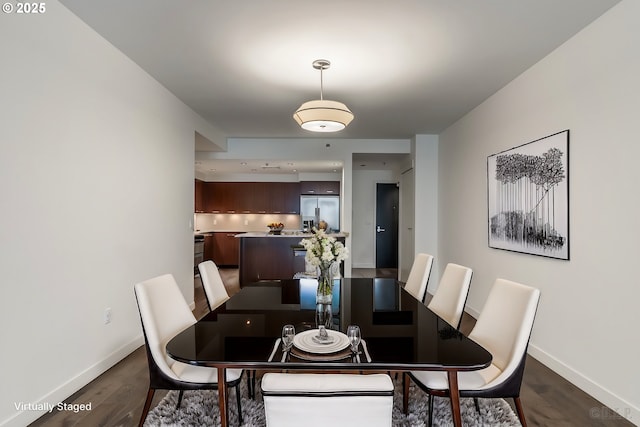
(528, 197)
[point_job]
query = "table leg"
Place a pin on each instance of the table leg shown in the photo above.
(222, 396)
(405, 392)
(455, 398)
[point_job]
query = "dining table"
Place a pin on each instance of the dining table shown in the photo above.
(398, 333)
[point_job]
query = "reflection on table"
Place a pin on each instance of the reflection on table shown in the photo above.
(399, 330)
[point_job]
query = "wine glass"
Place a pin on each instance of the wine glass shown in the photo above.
(288, 332)
(353, 332)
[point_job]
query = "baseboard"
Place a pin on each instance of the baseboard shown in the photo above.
(614, 407)
(23, 418)
(362, 265)
(473, 313)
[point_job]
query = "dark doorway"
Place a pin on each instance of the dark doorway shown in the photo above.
(387, 196)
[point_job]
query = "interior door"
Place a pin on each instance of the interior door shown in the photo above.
(387, 196)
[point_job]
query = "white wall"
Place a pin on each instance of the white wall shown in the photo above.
(425, 157)
(586, 328)
(406, 234)
(96, 178)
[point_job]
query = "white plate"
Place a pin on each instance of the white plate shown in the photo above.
(304, 341)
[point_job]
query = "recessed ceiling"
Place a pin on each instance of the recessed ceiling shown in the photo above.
(377, 161)
(403, 67)
(213, 168)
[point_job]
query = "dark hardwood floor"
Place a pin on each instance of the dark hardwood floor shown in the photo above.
(117, 395)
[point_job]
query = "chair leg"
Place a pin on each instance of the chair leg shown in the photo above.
(226, 403)
(430, 410)
(239, 404)
(179, 399)
(251, 383)
(520, 411)
(147, 405)
(405, 392)
(475, 401)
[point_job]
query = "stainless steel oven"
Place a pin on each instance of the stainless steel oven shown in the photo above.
(198, 251)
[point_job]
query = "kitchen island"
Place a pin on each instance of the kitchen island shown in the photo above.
(265, 256)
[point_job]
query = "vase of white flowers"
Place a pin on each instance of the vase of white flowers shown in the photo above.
(323, 252)
(324, 294)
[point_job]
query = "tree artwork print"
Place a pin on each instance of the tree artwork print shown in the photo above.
(528, 192)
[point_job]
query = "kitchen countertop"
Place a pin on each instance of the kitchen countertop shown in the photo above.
(224, 231)
(285, 233)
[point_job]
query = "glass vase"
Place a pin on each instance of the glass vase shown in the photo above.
(324, 316)
(324, 294)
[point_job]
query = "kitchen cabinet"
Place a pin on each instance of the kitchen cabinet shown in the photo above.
(199, 196)
(275, 197)
(208, 247)
(285, 197)
(260, 197)
(221, 197)
(211, 197)
(320, 188)
(270, 257)
(252, 197)
(226, 249)
(244, 197)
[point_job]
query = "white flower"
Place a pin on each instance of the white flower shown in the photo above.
(323, 250)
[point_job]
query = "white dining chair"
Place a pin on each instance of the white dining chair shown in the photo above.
(164, 313)
(416, 283)
(451, 295)
(503, 328)
(214, 289)
(319, 400)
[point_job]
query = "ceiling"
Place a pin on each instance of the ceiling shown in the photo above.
(361, 161)
(226, 167)
(404, 68)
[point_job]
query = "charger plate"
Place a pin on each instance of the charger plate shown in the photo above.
(305, 342)
(326, 357)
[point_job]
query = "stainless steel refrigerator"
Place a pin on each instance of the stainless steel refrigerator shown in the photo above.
(319, 208)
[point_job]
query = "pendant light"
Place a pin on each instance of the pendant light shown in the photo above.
(322, 115)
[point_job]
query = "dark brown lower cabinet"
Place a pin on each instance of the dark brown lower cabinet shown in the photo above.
(223, 248)
(208, 247)
(270, 258)
(267, 258)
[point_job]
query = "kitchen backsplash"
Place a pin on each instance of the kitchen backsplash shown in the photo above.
(244, 222)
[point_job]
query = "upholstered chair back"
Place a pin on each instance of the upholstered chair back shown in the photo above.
(451, 295)
(164, 313)
(416, 283)
(320, 400)
(214, 288)
(504, 325)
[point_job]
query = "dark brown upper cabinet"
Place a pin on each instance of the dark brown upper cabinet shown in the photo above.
(320, 188)
(252, 197)
(199, 196)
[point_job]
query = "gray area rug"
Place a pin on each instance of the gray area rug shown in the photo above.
(200, 408)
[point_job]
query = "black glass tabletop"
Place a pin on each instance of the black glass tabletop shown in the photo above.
(399, 331)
